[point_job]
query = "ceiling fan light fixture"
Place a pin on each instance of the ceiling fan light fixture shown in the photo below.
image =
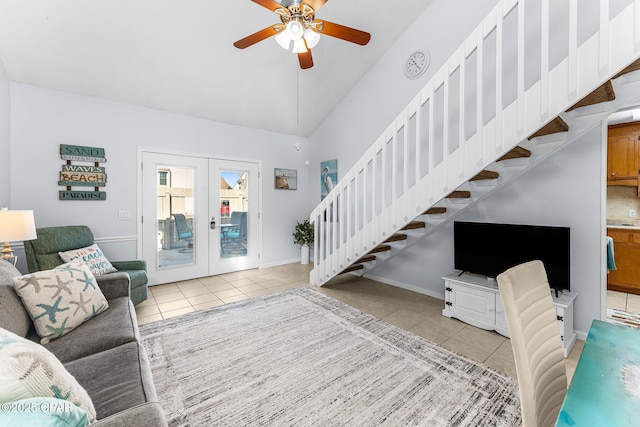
(311, 37)
(299, 46)
(284, 40)
(295, 30)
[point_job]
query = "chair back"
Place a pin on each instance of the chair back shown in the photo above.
(182, 227)
(536, 342)
(42, 253)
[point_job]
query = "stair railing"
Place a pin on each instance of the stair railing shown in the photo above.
(521, 67)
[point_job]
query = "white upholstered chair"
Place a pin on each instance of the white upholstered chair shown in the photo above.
(536, 343)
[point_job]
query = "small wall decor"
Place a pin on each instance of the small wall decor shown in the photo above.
(286, 179)
(79, 175)
(328, 177)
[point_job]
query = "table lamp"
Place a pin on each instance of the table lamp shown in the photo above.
(15, 226)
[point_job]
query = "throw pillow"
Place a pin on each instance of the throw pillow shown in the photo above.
(27, 370)
(43, 412)
(61, 299)
(92, 256)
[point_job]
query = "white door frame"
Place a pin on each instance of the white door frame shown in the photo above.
(139, 199)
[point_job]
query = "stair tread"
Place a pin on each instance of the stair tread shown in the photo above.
(353, 267)
(415, 224)
(396, 238)
(435, 211)
(459, 194)
(516, 153)
(604, 93)
(554, 126)
(366, 258)
(485, 174)
(380, 248)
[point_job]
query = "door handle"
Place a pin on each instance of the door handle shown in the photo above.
(212, 224)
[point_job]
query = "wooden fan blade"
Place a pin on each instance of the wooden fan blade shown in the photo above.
(305, 59)
(256, 37)
(345, 33)
(269, 4)
(315, 4)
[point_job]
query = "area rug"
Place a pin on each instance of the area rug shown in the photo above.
(622, 317)
(300, 358)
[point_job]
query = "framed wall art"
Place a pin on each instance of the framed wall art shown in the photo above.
(286, 179)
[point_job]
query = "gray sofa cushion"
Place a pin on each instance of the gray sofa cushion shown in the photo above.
(111, 328)
(116, 379)
(13, 316)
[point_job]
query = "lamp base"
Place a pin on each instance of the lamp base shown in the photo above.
(6, 251)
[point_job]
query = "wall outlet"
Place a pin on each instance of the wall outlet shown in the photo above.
(122, 215)
(632, 213)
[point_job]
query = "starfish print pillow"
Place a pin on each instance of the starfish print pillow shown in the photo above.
(61, 299)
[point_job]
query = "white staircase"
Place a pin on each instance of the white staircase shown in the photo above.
(499, 88)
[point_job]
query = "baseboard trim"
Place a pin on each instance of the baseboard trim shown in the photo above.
(405, 286)
(279, 263)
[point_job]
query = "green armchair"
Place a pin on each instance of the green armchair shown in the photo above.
(42, 254)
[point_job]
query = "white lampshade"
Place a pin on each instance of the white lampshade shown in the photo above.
(295, 30)
(311, 37)
(283, 40)
(298, 46)
(17, 226)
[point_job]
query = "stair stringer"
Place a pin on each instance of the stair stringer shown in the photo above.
(350, 221)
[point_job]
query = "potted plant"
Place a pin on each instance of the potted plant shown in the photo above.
(303, 236)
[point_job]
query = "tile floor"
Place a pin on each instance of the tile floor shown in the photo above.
(623, 301)
(415, 312)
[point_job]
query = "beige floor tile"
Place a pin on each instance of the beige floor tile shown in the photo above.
(150, 301)
(633, 303)
(147, 310)
(437, 329)
(174, 305)
(506, 367)
(234, 298)
(163, 289)
(241, 282)
(617, 300)
(192, 292)
(466, 350)
(178, 312)
(404, 318)
(486, 341)
(250, 288)
(228, 293)
(201, 299)
(148, 319)
(213, 281)
(208, 304)
(216, 287)
(229, 277)
(163, 298)
(190, 284)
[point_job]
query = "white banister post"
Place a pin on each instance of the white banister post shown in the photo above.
(572, 80)
(521, 68)
(544, 60)
(603, 59)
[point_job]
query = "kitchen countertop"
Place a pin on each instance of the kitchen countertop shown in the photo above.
(624, 226)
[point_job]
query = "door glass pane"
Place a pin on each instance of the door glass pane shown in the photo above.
(233, 203)
(175, 207)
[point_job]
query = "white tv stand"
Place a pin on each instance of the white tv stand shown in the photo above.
(475, 300)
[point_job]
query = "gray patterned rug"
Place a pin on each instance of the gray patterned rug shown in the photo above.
(300, 358)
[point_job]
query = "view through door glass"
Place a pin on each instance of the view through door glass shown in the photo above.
(176, 215)
(234, 219)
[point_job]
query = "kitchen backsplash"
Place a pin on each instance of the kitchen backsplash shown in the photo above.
(619, 201)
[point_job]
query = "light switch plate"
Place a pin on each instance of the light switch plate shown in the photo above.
(632, 213)
(122, 215)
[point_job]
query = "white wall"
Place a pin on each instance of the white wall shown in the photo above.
(42, 119)
(5, 137)
(564, 190)
(384, 91)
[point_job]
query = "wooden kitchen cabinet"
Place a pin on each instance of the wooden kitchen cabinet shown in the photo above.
(623, 154)
(626, 245)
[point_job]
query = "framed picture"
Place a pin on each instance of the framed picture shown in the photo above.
(286, 179)
(328, 177)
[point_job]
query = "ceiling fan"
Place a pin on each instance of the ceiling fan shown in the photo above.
(299, 30)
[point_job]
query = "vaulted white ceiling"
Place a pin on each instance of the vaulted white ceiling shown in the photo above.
(178, 56)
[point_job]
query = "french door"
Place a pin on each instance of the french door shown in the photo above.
(200, 216)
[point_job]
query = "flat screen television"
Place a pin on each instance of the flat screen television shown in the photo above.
(489, 249)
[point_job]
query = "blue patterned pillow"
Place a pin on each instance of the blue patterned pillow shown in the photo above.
(61, 299)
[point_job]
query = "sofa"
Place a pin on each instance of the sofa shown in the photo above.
(104, 354)
(42, 254)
